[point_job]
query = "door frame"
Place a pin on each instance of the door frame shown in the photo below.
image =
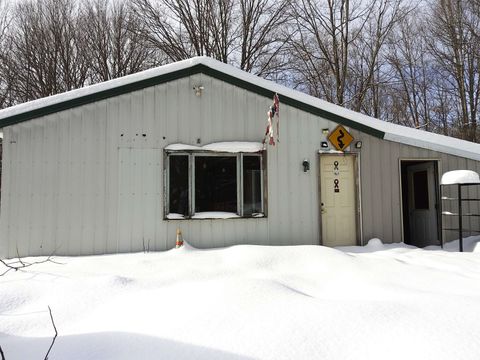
(439, 171)
(357, 196)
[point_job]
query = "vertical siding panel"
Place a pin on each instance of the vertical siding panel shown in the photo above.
(112, 172)
(22, 143)
(387, 168)
(314, 180)
(298, 149)
(89, 175)
(365, 185)
(210, 110)
(64, 183)
(150, 140)
(228, 102)
(300, 181)
(138, 157)
(172, 115)
(149, 197)
(124, 204)
(125, 121)
(375, 186)
(76, 187)
(183, 112)
(395, 195)
(274, 183)
(7, 193)
(51, 184)
(36, 225)
(99, 123)
(216, 112)
(136, 189)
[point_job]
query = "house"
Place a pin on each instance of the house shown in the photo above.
(119, 166)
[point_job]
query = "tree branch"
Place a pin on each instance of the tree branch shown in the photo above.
(13, 265)
(56, 334)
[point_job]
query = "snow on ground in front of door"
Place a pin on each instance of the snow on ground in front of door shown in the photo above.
(470, 244)
(247, 302)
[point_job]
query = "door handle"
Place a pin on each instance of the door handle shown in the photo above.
(322, 208)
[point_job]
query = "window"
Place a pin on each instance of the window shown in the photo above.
(202, 184)
(252, 185)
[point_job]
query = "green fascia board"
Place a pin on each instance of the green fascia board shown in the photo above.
(174, 75)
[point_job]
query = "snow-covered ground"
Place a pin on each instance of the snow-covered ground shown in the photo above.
(247, 302)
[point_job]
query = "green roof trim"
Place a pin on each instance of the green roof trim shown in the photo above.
(174, 75)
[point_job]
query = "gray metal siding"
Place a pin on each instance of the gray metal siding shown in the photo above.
(87, 180)
(381, 196)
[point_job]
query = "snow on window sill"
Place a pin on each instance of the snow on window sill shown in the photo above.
(225, 147)
(175, 216)
(258, 215)
(212, 215)
(215, 215)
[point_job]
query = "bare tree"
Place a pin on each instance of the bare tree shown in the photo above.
(46, 55)
(456, 49)
(182, 29)
(414, 72)
(337, 48)
(246, 33)
(321, 47)
(113, 40)
(264, 30)
(367, 61)
(4, 24)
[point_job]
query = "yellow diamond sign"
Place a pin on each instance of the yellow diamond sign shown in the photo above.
(340, 138)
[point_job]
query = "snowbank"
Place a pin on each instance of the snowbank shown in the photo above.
(470, 244)
(247, 302)
(374, 245)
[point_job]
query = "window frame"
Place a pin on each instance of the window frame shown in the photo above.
(192, 154)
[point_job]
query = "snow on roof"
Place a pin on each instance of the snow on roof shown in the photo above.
(229, 147)
(96, 88)
(392, 132)
(460, 177)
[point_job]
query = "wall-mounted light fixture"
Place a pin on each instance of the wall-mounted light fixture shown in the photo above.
(324, 144)
(358, 145)
(198, 90)
(325, 132)
(306, 165)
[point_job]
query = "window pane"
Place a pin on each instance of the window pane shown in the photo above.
(216, 183)
(252, 185)
(178, 184)
(420, 189)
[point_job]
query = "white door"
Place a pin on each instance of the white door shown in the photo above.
(337, 200)
(422, 204)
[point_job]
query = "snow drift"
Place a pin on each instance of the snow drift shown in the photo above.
(247, 302)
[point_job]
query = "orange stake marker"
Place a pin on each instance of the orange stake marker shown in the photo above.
(179, 242)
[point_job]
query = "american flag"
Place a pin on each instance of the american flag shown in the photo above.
(273, 113)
